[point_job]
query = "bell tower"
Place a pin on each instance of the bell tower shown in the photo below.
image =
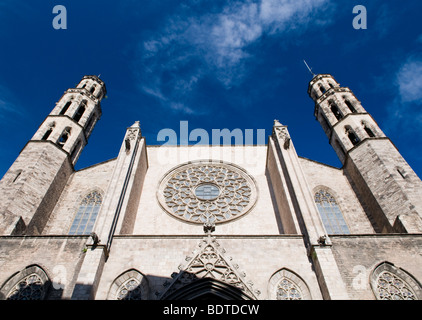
(384, 181)
(71, 122)
(34, 182)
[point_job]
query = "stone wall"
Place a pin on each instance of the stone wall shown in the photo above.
(333, 180)
(79, 185)
(151, 219)
(256, 259)
(373, 168)
(59, 257)
(33, 184)
(358, 256)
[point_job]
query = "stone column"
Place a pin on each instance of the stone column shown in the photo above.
(90, 273)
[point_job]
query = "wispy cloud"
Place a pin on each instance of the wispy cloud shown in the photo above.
(190, 47)
(409, 81)
(7, 104)
(405, 111)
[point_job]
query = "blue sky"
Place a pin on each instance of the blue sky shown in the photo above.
(217, 64)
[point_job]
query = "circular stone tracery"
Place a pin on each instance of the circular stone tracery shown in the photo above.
(207, 192)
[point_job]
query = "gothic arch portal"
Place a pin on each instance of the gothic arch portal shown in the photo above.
(208, 289)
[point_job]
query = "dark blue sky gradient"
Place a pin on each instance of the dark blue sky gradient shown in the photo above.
(216, 64)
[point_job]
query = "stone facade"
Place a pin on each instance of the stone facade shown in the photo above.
(185, 222)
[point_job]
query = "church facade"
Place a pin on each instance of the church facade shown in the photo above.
(253, 222)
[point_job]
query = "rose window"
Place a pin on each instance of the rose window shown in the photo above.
(207, 192)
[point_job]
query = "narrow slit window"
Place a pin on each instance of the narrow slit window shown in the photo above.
(18, 174)
(90, 123)
(75, 150)
(339, 147)
(325, 123)
(401, 172)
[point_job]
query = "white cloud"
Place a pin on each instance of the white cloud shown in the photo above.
(6, 104)
(409, 81)
(217, 44)
(404, 114)
(278, 15)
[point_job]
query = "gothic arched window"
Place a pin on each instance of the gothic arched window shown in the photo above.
(131, 285)
(66, 106)
(288, 290)
(80, 111)
(368, 130)
(130, 290)
(391, 283)
(330, 213)
(336, 111)
(391, 287)
(350, 105)
(354, 139)
(32, 283)
(29, 288)
(49, 131)
(86, 215)
(64, 137)
(287, 285)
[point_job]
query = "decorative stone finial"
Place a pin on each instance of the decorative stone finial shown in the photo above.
(136, 125)
(277, 123)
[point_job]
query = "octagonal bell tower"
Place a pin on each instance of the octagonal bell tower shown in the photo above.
(341, 115)
(34, 182)
(385, 182)
(71, 122)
